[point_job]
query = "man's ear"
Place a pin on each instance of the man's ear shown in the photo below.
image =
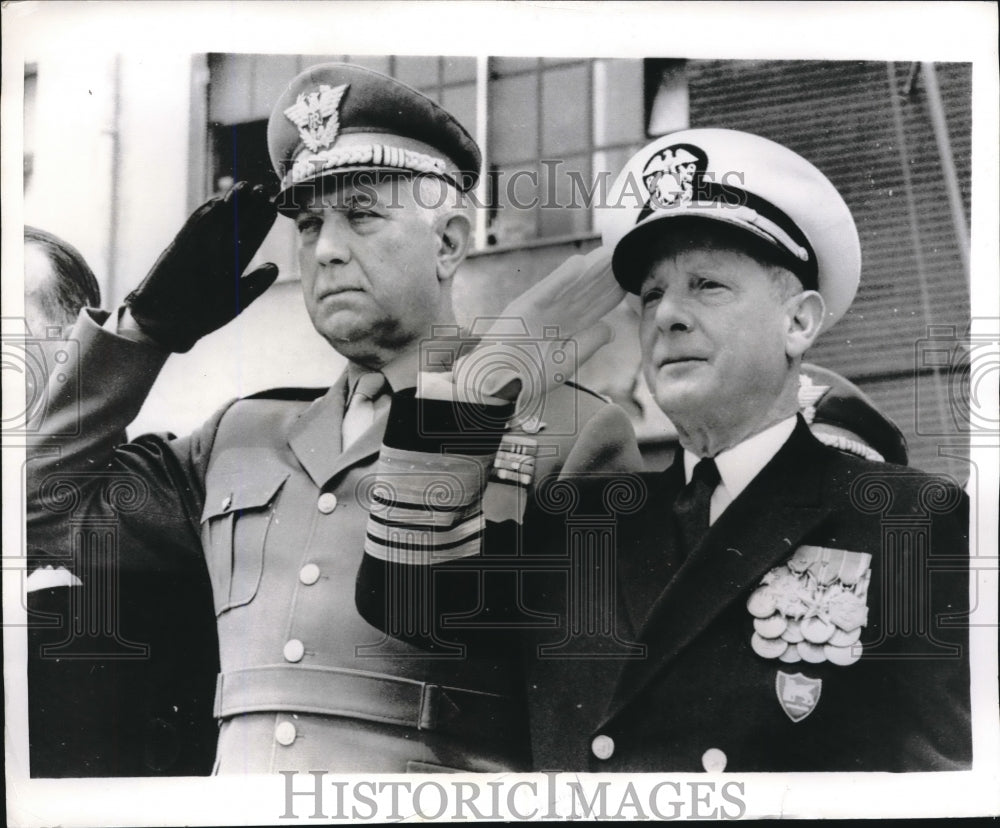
(454, 232)
(806, 312)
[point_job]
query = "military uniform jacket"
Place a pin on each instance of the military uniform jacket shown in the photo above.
(279, 512)
(642, 659)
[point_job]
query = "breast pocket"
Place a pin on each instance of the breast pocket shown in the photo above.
(234, 526)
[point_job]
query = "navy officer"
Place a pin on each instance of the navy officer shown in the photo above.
(771, 601)
(273, 490)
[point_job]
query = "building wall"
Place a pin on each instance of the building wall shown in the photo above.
(110, 159)
(68, 171)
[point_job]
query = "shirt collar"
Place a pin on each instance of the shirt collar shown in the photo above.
(743, 462)
(400, 372)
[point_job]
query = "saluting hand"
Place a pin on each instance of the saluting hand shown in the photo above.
(195, 287)
(556, 327)
(571, 298)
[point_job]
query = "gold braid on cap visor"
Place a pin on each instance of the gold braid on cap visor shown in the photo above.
(311, 164)
(742, 208)
(769, 228)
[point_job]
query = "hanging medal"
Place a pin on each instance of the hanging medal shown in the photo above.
(812, 607)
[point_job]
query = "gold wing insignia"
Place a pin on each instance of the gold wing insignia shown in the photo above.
(329, 110)
(317, 115)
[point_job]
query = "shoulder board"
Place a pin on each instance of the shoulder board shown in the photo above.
(288, 394)
(586, 390)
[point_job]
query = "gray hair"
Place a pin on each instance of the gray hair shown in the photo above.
(439, 197)
(75, 285)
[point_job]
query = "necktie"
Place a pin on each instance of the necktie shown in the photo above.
(361, 411)
(691, 507)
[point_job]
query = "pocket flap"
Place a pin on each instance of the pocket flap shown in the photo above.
(239, 492)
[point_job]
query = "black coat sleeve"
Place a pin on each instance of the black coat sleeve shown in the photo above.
(435, 572)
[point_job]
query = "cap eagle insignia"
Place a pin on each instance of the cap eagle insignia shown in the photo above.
(316, 115)
(669, 176)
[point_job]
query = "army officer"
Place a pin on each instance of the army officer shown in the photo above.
(273, 490)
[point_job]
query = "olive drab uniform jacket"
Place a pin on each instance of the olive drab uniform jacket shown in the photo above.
(821, 624)
(279, 512)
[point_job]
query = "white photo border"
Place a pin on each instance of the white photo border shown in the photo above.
(934, 31)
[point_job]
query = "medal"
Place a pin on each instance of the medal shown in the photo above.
(791, 655)
(770, 627)
(761, 604)
(767, 647)
(844, 639)
(793, 632)
(842, 656)
(812, 607)
(813, 653)
(847, 611)
(817, 631)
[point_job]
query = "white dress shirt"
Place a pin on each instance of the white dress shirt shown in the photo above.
(740, 464)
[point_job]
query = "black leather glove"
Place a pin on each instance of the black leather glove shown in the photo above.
(195, 286)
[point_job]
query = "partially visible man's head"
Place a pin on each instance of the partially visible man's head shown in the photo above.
(57, 283)
(372, 171)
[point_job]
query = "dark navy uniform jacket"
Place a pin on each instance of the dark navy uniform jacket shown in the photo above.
(279, 512)
(638, 658)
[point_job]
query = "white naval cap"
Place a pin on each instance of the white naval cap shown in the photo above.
(748, 182)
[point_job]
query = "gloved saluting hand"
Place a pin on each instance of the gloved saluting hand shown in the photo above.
(195, 287)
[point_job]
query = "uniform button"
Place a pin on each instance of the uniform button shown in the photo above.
(309, 574)
(284, 733)
(226, 501)
(603, 746)
(713, 760)
(294, 650)
(327, 502)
